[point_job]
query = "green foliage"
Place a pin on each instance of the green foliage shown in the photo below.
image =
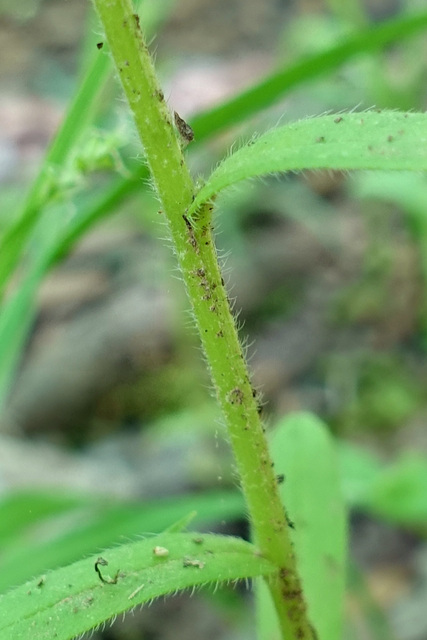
(279, 83)
(304, 451)
(387, 395)
(70, 600)
(395, 491)
(302, 447)
(41, 531)
(367, 140)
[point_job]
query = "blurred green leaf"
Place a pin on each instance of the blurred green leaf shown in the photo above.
(266, 92)
(304, 452)
(32, 543)
(18, 511)
(79, 116)
(359, 470)
(16, 313)
(395, 491)
(400, 491)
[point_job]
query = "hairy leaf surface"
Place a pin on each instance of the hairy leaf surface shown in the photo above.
(68, 601)
(370, 140)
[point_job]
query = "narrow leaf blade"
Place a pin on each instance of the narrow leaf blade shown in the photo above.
(266, 92)
(368, 140)
(72, 600)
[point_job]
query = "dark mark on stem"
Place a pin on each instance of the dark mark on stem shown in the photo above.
(103, 563)
(236, 396)
(192, 238)
(184, 129)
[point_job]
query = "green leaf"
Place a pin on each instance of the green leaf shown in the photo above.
(396, 492)
(400, 491)
(359, 470)
(72, 600)
(20, 510)
(304, 452)
(16, 317)
(367, 140)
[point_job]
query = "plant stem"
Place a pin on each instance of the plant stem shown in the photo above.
(195, 249)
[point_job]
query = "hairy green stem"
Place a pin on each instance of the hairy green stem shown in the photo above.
(195, 249)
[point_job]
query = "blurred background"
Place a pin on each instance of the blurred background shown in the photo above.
(108, 428)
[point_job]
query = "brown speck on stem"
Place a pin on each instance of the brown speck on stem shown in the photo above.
(192, 238)
(99, 45)
(338, 119)
(236, 396)
(390, 138)
(320, 139)
(184, 129)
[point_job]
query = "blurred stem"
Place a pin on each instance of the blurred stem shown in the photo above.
(78, 116)
(194, 245)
